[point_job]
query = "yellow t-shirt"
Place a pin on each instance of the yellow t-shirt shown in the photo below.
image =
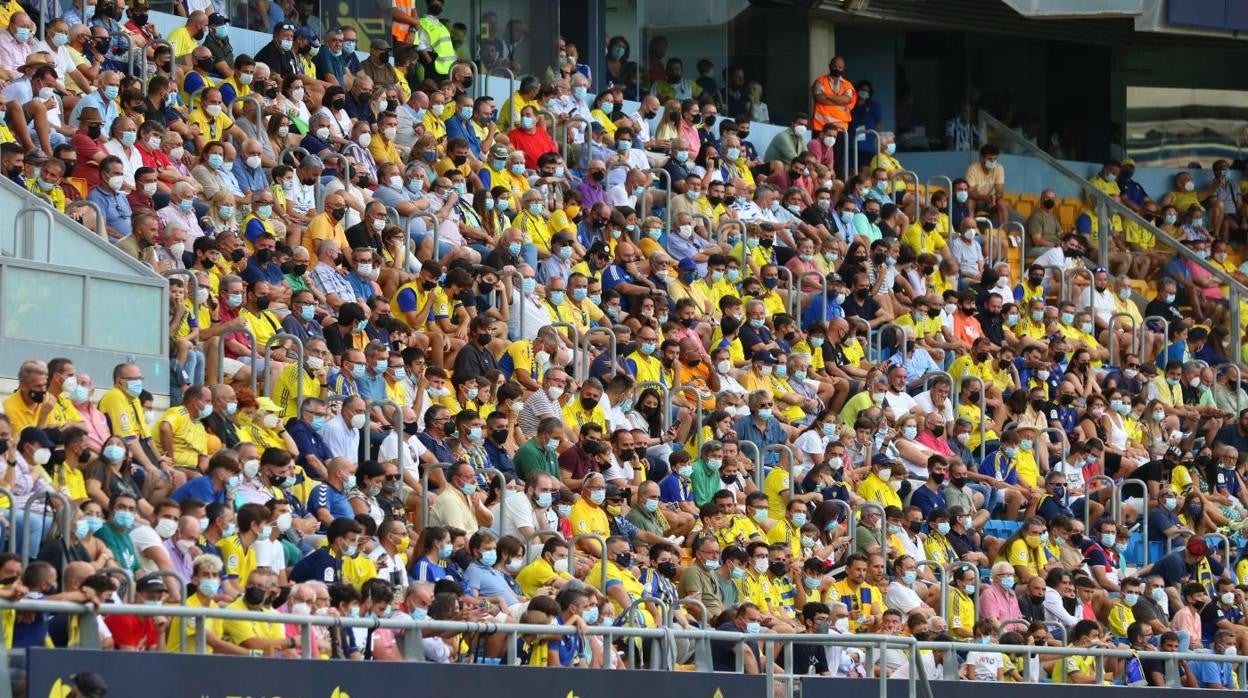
(239, 561)
(1074, 664)
(125, 415)
(586, 518)
(961, 610)
(286, 394)
(865, 598)
(774, 485)
(215, 626)
(239, 631)
(574, 415)
(190, 439)
(211, 128)
(536, 575)
(874, 489)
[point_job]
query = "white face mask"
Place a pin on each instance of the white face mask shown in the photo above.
(297, 94)
(378, 225)
(165, 528)
(253, 161)
(116, 182)
(322, 133)
(149, 188)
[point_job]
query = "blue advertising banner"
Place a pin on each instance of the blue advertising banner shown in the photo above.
(159, 675)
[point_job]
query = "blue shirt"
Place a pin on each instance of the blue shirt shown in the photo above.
(201, 488)
(108, 110)
(675, 488)
(927, 500)
(319, 565)
(568, 647)
(270, 273)
(363, 289)
(372, 387)
(1160, 520)
(489, 582)
(457, 127)
(115, 207)
(771, 433)
(499, 460)
(327, 63)
(308, 442)
(250, 180)
(821, 309)
(613, 276)
(441, 452)
(325, 497)
(999, 466)
(752, 336)
(1209, 674)
(426, 570)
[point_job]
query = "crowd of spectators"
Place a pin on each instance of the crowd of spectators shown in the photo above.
(432, 365)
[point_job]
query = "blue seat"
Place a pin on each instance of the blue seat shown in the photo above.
(1001, 528)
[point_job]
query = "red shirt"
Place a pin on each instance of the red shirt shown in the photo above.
(533, 145)
(132, 632)
(87, 147)
(156, 159)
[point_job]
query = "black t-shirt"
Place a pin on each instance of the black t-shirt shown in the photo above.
(810, 659)
(724, 654)
(862, 309)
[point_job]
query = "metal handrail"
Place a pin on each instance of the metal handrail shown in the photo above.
(851, 522)
(28, 236)
(478, 87)
(758, 459)
(1165, 333)
(1238, 290)
(1117, 510)
(101, 230)
(904, 175)
(664, 395)
(576, 342)
(12, 544)
(193, 294)
(1087, 512)
(823, 288)
(877, 345)
(855, 320)
(28, 517)
(424, 483)
(255, 356)
(945, 587)
(433, 230)
(664, 176)
(566, 145)
(1113, 338)
(528, 542)
(127, 592)
(791, 451)
(1068, 293)
(1064, 439)
(259, 111)
(602, 550)
(583, 344)
(297, 150)
(396, 427)
(992, 242)
(1022, 245)
(268, 352)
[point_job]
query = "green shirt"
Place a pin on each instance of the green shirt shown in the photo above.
(120, 545)
(531, 458)
(645, 521)
(706, 482)
(296, 283)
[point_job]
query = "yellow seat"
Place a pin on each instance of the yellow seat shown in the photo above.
(1067, 211)
(1011, 199)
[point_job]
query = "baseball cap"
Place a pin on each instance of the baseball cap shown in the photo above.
(687, 264)
(35, 435)
(306, 33)
(1128, 161)
(89, 684)
(216, 19)
(266, 404)
(499, 152)
(764, 355)
(380, 45)
(1197, 546)
(150, 583)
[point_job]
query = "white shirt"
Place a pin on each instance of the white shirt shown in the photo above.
(389, 451)
(536, 316)
(341, 439)
(924, 402)
(303, 198)
(271, 554)
(1102, 302)
(901, 403)
(130, 162)
(618, 471)
(902, 598)
(389, 567)
(985, 664)
(969, 255)
(619, 195)
(641, 129)
(519, 515)
(144, 537)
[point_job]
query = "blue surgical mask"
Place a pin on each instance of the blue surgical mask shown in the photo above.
(650, 505)
(123, 519)
(221, 31)
(318, 423)
(528, 285)
(307, 312)
(514, 249)
(597, 496)
(489, 557)
(544, 499)
(134, 387)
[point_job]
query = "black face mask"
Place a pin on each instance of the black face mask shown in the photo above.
(277, 480)
(204, 64)
(265, 255)
(93, 130)
(411, 428)
(958, 482)
(1048, 204)
(872, 216)
(598, 176)
(428, 285)
(459, 159)
(37, 396)
(981, 356)
(262, 303)
(777, 569)
(729, 479)
(916, 526)
(835, 72)
(255, 596)
(667, 569)
(298, 269)
(499, 436)
(237, 255)
(938, 478)
(938, 430)
(589, 403)
(338, 214)
(973, 397)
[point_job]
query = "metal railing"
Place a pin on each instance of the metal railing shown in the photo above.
(1107, 206)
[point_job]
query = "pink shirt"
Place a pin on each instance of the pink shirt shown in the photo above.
(12, 54)
(999, 604)
(1198, 274)
(689, 133)
(1189, 620)
(96, 423)
(936, 444)
(799, 267)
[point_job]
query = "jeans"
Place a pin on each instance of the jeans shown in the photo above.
(444, 248)
(31, 531)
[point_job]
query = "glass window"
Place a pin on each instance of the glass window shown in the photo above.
(32, 297)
